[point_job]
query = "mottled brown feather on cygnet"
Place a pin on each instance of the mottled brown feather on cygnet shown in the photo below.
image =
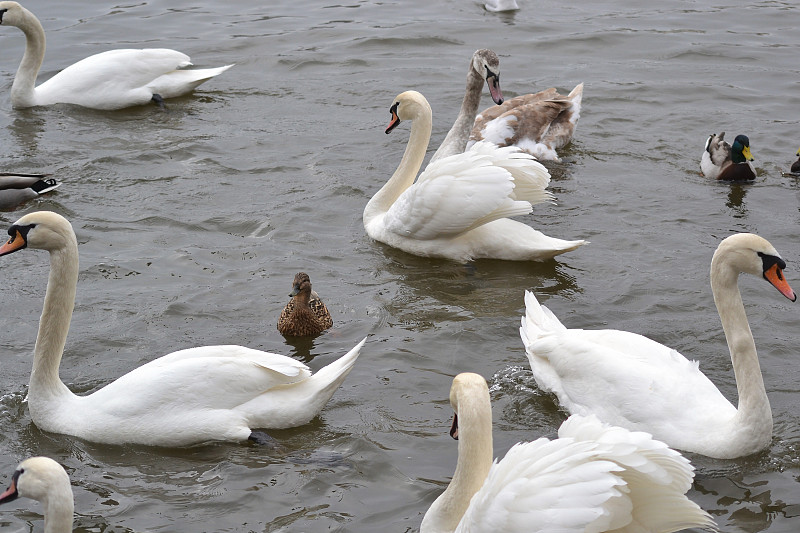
(305, 314)
(539, 123)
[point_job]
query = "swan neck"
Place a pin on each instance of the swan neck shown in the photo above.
(474, 461)
(456, 139)
(22, 90)
(753, 400)
(406, 171)
(58, 512)
(59, 302)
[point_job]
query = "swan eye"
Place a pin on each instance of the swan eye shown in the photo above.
(393, 109)
(21, 230)
(770, 260)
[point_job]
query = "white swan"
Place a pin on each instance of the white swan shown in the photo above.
(484, 65)
(594, 477)
(16, 188)
(457, 207)
(539, 123)
(183, 398)
(634, 382)
(501, 5)
(46, 481)
(109, 80)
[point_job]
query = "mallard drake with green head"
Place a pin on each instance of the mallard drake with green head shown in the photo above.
(16, 188)
(722, 161)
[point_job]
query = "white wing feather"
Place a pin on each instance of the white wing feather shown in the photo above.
(463, 191)
(609, 372)
(593, 478)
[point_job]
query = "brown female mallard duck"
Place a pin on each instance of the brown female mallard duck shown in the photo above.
(305, 314)
(722, 161)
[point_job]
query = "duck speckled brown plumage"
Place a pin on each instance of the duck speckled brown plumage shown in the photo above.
(539, 123)
(305, 314)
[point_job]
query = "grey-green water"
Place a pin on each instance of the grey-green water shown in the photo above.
(192, 223)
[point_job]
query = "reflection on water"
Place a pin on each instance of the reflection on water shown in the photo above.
(27, 127)
(736, 200)
(302, 348)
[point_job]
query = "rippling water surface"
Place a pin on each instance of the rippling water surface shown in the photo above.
(192, 223)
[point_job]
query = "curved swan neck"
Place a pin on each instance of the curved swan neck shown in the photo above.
(22, 90)
(58, 512)
(407, 170)
(456, 140)
(474, 461)
(59, 302)
(753, 400)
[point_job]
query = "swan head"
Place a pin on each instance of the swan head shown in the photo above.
(301, 283)
(749, 253)
(12, 14)
(407, 106)
(37, 478)
(486, 64)
(468, 392)
(43, 230)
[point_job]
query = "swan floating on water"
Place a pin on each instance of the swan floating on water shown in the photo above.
(631, 381)
(459, 205)
(594, 477)
(192, 396)
(109, 80)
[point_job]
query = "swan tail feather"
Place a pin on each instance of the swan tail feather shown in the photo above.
(182, 81)
(295, 404)
(327, 379)
(538, 320)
